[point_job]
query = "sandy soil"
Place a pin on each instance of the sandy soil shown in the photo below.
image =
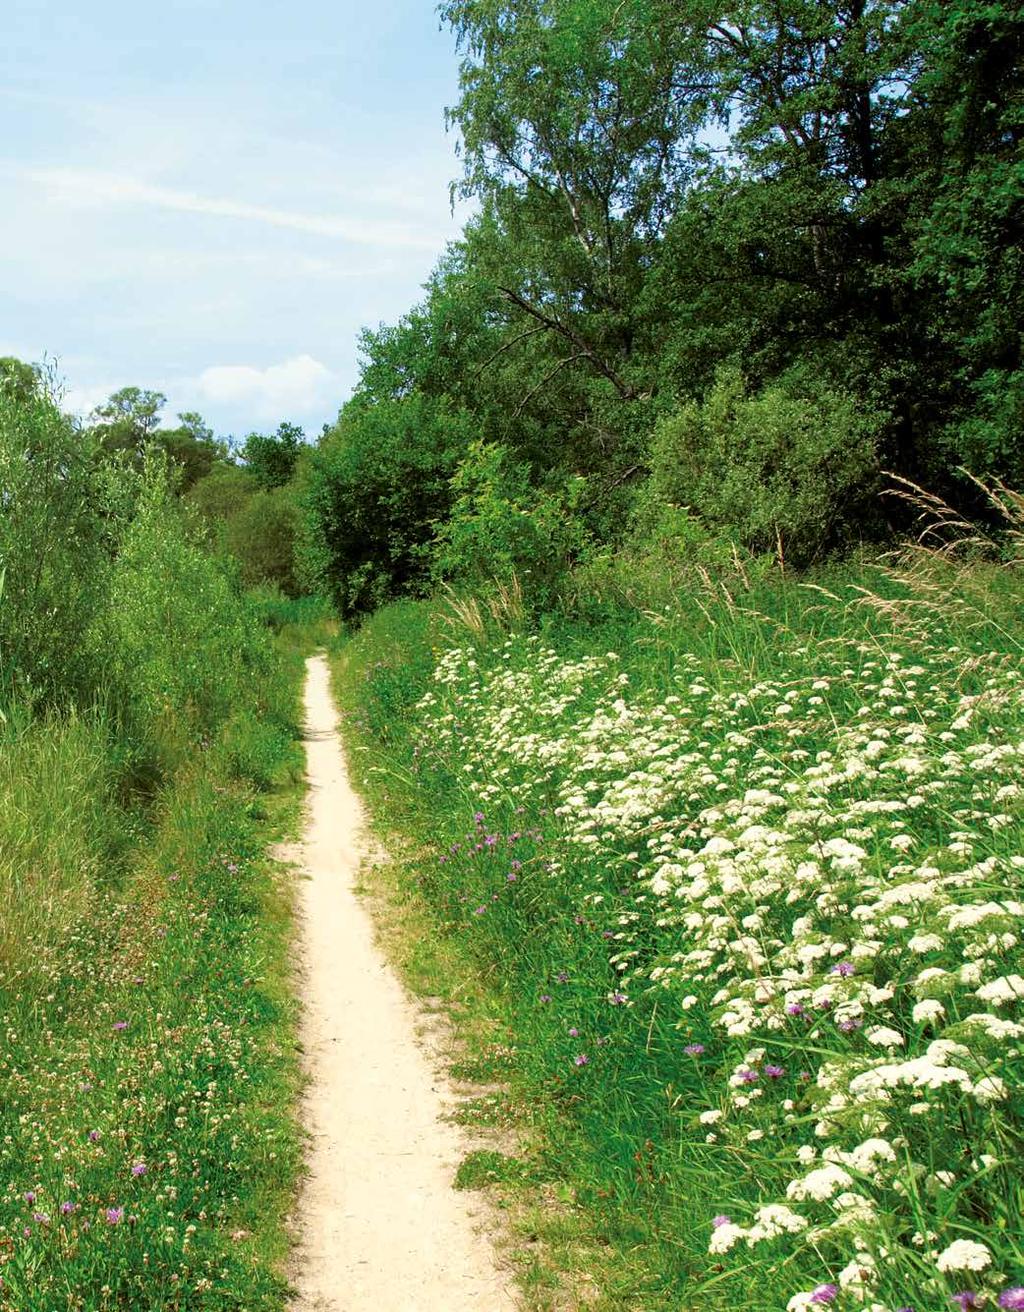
(380, 1227)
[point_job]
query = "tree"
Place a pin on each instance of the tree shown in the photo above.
(128, 420)
(271, 457)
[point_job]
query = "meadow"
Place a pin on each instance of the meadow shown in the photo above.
(730, 872)
(148, 755)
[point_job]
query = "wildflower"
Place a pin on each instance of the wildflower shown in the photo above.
(544, 997)
(748, 1076)
(94, 1136)
(562, 977)
(120, 1025)
(1012, 1298)
(479, 911)
(843, 968)
(966, 1300)
(825, 1294)
(794, 1009)
(574, 1033)
(617, 999)
(114, 1215)
(964, 1255)
(67, 1208)
(30, 1197)
(581, 1059)
(140, 1168)
(41, 1218)
(774, 1072)
(718, 1221)
(694, 1049)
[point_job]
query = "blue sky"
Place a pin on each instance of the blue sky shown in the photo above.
(212, 199)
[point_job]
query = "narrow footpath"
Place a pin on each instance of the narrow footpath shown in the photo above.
(381, 1229)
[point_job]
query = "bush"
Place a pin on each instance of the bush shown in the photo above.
(53, 554)
(374, 489)
(779, 471)
(261, 537)
(181, 646)
(501, 529)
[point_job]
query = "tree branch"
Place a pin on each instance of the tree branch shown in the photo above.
(570, 334)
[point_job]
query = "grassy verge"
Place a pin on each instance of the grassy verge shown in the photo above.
(729, 891)
(148, 1070)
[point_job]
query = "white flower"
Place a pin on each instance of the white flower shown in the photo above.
(1008, 988)
(964, 1255)
(710, 1117)
(821, 1184)
(883, 1038)
(990, 1089)
(928, 1012)
(723, 1237)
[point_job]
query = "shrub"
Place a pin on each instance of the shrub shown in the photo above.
(181, 648)
(374, 489)
(500, 528)
(780, 470)
(54, 519)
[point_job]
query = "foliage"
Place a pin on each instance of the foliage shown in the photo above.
(780, 471)
(501, 529)
(271, 457)
(181, 648)
(376, 485)
(260, 535)
(55, 527)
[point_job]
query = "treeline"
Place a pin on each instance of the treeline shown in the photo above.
(728, 264)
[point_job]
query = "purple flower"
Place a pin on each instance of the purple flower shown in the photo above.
(562, 977)
(478, 816)
(140, 1168)
(1012, 1298)
(966, 1299)
(825, 1294)
(545, 997)
(850, 1024)
(775, 1072)
(30, 1197)
(843, 968)
(41, 1218)
(794, 1009)
(120, 1024)
(479, 911)
(511, 876)
(94, 1136)
(517, 864)
(114, 1215)
(67, 1208)
(581, 1059)
(574, 1033)
(617, 999)
(491, 839)
(694, 1049)
(748, 1076)
(718, 1221)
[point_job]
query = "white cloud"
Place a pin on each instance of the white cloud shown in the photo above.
(296, 388)
(89, 187)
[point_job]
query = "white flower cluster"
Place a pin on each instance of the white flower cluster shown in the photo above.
(829, 867)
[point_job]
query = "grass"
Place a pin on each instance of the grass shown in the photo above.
(726, 879)
(148, 1147)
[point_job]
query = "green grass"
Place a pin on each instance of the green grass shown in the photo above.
(614, 827)
(148, 1147)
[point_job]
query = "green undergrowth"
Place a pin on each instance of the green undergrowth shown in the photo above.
(148, 1074)
(723, 882)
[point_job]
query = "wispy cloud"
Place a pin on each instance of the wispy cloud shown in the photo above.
(85, 185)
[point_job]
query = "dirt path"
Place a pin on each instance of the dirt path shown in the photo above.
(381, 1228)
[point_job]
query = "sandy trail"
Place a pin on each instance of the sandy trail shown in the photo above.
(380, 1226)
